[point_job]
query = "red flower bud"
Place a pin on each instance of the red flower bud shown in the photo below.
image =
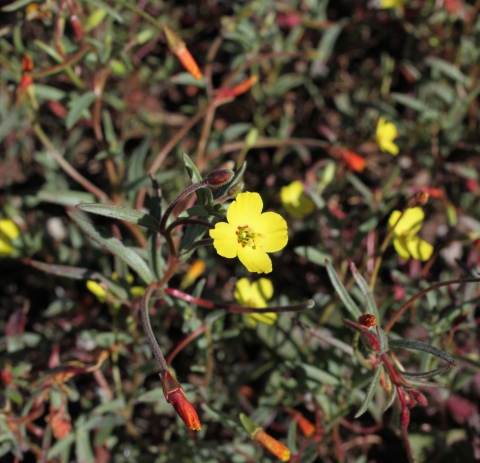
(367, 320)
(174, 395)
(219, 177)
(419, 397)
(6, 376)
(405, 417)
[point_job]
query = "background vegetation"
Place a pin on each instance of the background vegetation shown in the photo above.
(92, 101)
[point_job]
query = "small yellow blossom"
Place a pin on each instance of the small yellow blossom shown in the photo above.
(384, 136)
(405, 240)
(249, 234)
(294, 200)
(395, 4)
(99, 291)
(8, 232)
(255, 295)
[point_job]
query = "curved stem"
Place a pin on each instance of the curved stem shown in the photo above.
(147, 327)
(236, 308)
(407, 304)
(188, 221)
(181, 196)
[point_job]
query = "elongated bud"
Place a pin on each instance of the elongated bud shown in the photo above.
(419, 397)
(405, 417)
(305, 425)
(367, 320)
(353, 160)
(272, 445)
(419, 199)
(174, 395)
(219, 177)
(234, 189)
(178, 47)
(242, 87)
(328, 174)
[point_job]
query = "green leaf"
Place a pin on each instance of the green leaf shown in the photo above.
(78, 106)
(122, 213)
(115, 246)
(61, 445)
(423, 347)
(363, 285)
(382, 340)
(109, 10)
(15, 5)
(391, 399)
(371, 391)
(447, 69)
(342, 292)
(427, 374)
(78, 273)
(249, 425)
(312, 254)
(65, 197)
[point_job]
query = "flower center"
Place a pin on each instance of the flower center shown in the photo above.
(246, 236)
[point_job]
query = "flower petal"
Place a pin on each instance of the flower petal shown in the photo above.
(97, 290)
(246, 207)
(412, 221)
(262, 290)
(8, 229)
(400, 246)
(6, 249)
(242, 291)
(389, 147)
(274, 227)
(224, 239)
(419, 249)
(266, 318)
(254, 259)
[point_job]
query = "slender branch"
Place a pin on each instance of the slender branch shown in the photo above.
(187, 221)
(407, 304)
(65, 165)
(184, 343)
(147, 327)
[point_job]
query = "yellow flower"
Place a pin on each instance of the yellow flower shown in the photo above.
(99, 292)
(294, 200)
(249, 234)
(384, 136)
(396, 4)
(255, 295)
(405, 240)
(8, 232)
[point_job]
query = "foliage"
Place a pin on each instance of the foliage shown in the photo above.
(136, 140)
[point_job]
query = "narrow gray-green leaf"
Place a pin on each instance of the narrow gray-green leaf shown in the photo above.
(79, 105)
(421, 346)
(363, 285)
(383, 340)
(109, 10)
(313, 255)
(427, 374)
(15, 5)
(122, 213)
(371, 391)
(342, 292)
(78, 273)
(115, 246)
(391, 399)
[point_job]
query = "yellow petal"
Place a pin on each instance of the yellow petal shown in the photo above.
(267, 318)
(8, 230)
(246, 207)
(294, 200)
(411, 222)
(400, 246)
(242, 291)
(6, 249)
(224, 239)
(388, 146)
(96, 290)
(254, 259)
(419, 249)
(274, 228)
(262, 291)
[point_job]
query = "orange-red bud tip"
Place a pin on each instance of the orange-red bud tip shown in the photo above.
(272, 445)
(367, 320)
(174, 395)
(306, 426)
(353, 160)
(184, 409)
